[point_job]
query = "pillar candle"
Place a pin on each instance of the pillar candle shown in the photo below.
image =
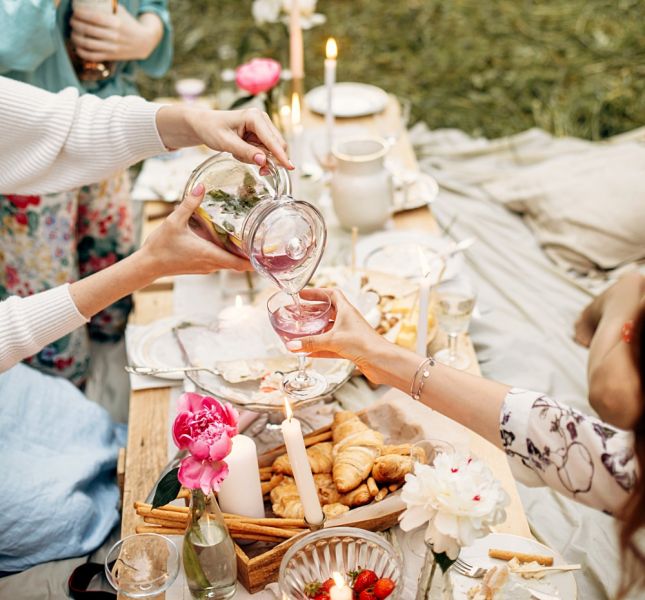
(295, 443)
(241, 492)
(422, 323)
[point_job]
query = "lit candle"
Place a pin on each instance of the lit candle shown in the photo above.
(331, 52)
(295, 42)
(295, 443)
(234, 316)
(295, 142)
(340, 591)
(422, 323)
(241, 491)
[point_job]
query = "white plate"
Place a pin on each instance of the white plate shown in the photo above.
(349, 100)
(477, 555)
(397, 253)
(156, 347)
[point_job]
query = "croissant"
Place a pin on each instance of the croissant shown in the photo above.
(319, 455)
(356, 447)
(392, 468)
(415, 452)
(358, 497)
(334, 510)
(286, 502)
(327, 491)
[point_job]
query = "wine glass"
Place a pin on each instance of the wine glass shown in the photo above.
(391, 127)
(143, 565)
(293, 317)
(455, 304)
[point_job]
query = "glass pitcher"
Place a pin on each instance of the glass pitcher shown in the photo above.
(254, 216)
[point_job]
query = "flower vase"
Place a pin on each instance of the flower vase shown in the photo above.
(434, 583)
(209, 558)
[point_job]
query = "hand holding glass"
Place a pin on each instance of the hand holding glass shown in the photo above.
(292, 318)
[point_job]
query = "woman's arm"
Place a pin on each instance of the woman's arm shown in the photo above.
(29, 32)
(547, 443)
(55, 142)
(28, 324)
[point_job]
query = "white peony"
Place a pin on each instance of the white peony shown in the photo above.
(458, 497)
(266, 11)
(308, 16)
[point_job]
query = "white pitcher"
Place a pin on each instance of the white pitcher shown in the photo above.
(361, 187)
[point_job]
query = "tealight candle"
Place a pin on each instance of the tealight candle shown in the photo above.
(241, 492)
(331, 53)
(340, 591)
(233, 316)
(295, 443)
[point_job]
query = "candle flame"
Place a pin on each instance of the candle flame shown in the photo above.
(287, 409)
(295, 109)
(331, 49)
(338, 579)
(239, 301)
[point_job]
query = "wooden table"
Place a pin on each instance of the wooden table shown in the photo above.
(147, 449)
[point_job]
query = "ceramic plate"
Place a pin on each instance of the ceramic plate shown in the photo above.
(562, 584)
(349, 100)
(397, 253)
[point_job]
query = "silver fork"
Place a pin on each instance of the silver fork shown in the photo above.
(464, 568)
(136, 370)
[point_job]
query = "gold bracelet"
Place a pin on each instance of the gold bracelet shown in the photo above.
(419, 379)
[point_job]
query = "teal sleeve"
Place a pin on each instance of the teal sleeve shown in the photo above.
(160, 60)
(28, 33)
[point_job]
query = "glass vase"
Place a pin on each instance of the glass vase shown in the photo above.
(434, 583)
(209, 558)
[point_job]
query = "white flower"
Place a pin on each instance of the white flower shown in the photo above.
(308, 16)
(266, 11)
(459, 499)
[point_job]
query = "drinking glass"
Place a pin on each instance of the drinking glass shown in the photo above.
(294, 317)
(142, 565)
(391, 127)
(455, 304)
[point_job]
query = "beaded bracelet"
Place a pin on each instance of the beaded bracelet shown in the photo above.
(419, 379)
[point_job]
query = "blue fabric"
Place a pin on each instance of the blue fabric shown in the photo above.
(32, 47)
(58, 454)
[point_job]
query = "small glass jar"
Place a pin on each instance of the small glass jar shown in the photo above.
(254, 216)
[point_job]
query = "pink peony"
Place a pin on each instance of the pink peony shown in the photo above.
(258, 75)
(205, 427)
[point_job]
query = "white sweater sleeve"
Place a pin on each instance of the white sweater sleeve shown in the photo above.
(55, 142)
(28, 324)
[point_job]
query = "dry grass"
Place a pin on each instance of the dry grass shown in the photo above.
(491, 67)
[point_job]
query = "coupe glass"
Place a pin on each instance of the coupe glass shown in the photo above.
(294, 317)
(455, 304)
(143, 565)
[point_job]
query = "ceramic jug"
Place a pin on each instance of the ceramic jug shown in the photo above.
(361, 186)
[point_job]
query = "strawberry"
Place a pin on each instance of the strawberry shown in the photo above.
(322, 595)
(367, 594)
(364, 580)
(311, 589)
(383, 588)
(327, 585)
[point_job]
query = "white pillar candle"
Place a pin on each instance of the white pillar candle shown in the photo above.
(340, 591)
(297, 60)
(295, 443)
(331, 52)
(241, 492)
(422, 323)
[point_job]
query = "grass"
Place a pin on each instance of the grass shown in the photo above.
(490, 67)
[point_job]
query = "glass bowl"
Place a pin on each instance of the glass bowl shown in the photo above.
(320, 554)
(142, 565)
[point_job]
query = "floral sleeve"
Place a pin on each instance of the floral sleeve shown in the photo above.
(577, 455)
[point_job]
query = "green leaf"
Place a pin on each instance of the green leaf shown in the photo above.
(167, 489)
(192, 566)
(241, 101)
(443, 560)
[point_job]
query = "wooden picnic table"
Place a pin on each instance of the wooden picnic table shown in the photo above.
(147, 449)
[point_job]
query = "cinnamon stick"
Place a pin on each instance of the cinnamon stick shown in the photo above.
(256, 538)
(270, 521)
(163, 522)
(161, 530)
(162, 514)
(242, 527)
(171, 507)
(267, 486)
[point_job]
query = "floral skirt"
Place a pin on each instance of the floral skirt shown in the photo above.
(52, 239)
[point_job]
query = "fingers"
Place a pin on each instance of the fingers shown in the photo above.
(189, 204)
(259, 125)
(82, 42)
(311, 344)
(88, 30)
(225, 260)
(93, 17)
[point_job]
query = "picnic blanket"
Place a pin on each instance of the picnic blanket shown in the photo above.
(528, 305)
(58, 454)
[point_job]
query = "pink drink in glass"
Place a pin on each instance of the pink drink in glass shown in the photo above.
(291, 323)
